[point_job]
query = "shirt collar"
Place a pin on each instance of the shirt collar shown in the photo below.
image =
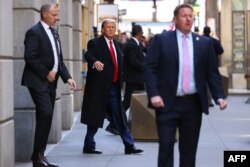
(180, 34)
(136, 40)
(45, 26)
(107, 40)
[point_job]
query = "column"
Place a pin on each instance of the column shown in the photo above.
(6, 85)
(226, 35)
(66, 35)
(77, 53)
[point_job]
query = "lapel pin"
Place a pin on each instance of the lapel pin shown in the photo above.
(197, 38)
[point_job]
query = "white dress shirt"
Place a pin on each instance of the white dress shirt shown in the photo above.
(52, 41)
(192, 87)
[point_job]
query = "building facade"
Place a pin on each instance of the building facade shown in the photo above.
(235, 38)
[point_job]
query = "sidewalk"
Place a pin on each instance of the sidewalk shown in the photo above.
(221, 130)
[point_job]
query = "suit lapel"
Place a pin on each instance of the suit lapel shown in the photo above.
(43, 32)
(196, 40)
(118, 51)
(45, 35)
(106, 48)
(175, 47)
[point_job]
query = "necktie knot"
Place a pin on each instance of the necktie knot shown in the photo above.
(184, 37)
(54, 33)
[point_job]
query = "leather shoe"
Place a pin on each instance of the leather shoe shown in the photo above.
(48, 163)
(40, 163)
(132, 150)
(92, 151)
(37, 160)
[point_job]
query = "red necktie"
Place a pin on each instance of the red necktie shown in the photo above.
(186, 65)
(112, 53)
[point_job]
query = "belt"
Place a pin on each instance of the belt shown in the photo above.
(188, 96)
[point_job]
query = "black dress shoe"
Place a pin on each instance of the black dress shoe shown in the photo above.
(39, 164)
(37, 160)
(112, 129)
(92, 151)
(48, 163)
(132, 150)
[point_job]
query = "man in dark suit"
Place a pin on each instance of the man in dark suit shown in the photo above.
(43, 66)
(218, 51)
(102, 93)
(133, 66)
(178, 66)
(216, 43)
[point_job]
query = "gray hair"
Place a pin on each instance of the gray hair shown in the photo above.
(46, 8)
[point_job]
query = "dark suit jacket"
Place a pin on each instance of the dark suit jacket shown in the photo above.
(162, 68)
(39, 59)
(217, 46)
(98, 83)
(134, 62)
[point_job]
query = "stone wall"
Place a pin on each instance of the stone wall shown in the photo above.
(6, 85)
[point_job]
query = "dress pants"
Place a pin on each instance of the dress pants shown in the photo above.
(114, 106)
(129, 89)
(186, 116)
(44, 102)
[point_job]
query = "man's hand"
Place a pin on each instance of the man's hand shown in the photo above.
(98, 65)
(51, 76)
(72, 84)
(157, 102)
(222, 104)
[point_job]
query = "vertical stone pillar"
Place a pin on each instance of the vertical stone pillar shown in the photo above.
(212, 16)
(6, 85)
(77, 53)
(65, 31)
(226, 35)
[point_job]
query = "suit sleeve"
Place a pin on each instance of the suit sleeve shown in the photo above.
(214, 78)
(151, 67)
(31, 54)
(64, 73)
(91, 52)
(218, 48)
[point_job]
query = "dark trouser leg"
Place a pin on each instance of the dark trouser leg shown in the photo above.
(189, 130)
(44, 102)
(186, 115)
(115, 106)
(89, 142)
(129, 89)
(167, 123)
